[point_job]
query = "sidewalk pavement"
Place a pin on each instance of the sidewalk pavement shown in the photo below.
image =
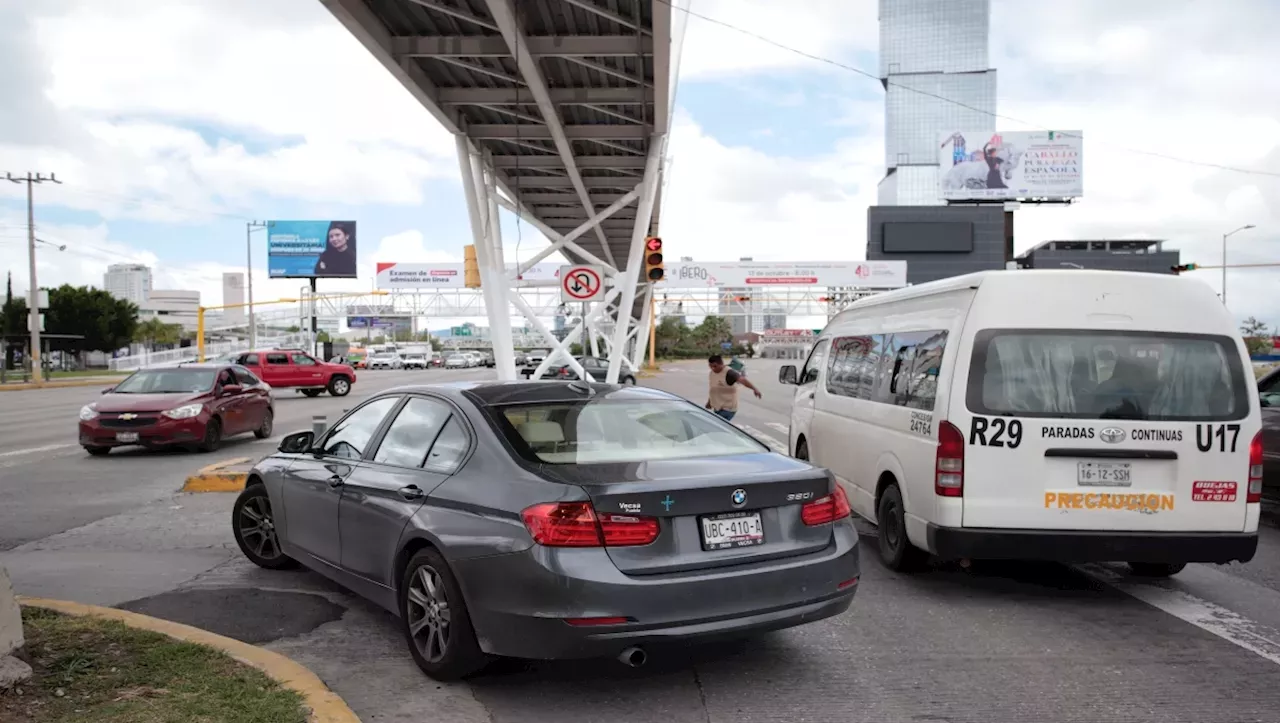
(56, 383)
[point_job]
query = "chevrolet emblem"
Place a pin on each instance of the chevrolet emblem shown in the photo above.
(128, 416)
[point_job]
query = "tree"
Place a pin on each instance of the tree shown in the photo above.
(154, 332)
(323, 336)
(669, 336)
(1257, 337)
(105, 322)
(13, 316)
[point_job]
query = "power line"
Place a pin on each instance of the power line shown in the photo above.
(859, 71)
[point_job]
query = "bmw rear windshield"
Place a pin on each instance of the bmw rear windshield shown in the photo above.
(603, 431)
(1100, 374)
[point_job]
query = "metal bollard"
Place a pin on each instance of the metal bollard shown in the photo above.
(318, 425)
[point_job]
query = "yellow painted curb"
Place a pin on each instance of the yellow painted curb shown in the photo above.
(212, 479)
(326, 706)
(54, 385)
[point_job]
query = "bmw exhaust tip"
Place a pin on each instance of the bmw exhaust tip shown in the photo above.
(633, 657)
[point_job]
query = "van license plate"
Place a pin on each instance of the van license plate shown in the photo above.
(732, 530)
(126, 436)
(1104, 474)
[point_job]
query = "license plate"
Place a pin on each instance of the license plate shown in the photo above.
(1104, 474)
(126, 436)
(732, 530)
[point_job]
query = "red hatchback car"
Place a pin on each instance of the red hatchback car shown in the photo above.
(195, 405)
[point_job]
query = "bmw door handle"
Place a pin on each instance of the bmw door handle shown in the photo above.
(335, 481)
(411, 492)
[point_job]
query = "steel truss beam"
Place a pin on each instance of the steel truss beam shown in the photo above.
(609, 162)
(561, 96)
(601, 132)
(569, 46)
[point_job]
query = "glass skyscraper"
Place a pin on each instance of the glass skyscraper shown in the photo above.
(930, 50)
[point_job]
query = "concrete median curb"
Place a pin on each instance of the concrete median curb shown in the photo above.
(226, 476)
(10, 387)
(326, 706)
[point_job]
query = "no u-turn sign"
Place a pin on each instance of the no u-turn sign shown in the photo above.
(581, 283)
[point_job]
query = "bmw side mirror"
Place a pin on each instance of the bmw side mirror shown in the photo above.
(787, 374)
(298, 442)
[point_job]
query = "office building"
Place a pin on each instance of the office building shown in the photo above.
(129, 282)
(1113, 255)
(233, 292)
(934, 66)
(939, 242)
(172, 306)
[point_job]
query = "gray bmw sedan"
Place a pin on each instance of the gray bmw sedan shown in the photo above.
(552, 520)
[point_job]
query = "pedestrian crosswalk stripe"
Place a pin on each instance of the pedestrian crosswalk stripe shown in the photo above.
(772, 443)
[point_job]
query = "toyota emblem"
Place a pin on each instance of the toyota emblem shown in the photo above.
(739, 497)
(1111, 435)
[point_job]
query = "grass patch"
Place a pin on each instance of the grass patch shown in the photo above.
(89, 670)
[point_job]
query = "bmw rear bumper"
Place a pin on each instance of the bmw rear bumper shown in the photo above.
(1079, 546)
(519, 603)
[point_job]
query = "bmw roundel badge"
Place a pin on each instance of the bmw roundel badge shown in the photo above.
(739, 497)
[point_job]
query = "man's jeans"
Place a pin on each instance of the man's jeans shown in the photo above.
(727, 414)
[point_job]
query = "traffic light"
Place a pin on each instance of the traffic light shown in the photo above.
(1182, 267)
(742, 298)
(470, 269)
(653, 268)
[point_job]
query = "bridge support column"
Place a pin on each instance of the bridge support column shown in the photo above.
(642, 331)
(635, 259)
(486, 233)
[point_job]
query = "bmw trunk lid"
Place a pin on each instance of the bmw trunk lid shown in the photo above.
(712, 512)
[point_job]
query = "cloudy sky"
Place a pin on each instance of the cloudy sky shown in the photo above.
(173, 123)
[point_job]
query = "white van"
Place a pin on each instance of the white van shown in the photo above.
(1062, 415)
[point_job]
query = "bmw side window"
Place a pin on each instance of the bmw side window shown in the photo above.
(350, 436)
(450, 447)
(410, 435)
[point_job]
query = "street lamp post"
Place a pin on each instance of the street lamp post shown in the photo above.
(249, 228)
(1225, 236)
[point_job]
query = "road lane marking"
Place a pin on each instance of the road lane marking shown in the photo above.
(773, 444)
(779, 427)
(35, 450)
(1210, 617)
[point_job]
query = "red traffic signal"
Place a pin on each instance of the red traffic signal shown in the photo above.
(654, 270)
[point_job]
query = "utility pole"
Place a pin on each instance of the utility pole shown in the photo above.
(249, 228)
(33, 294)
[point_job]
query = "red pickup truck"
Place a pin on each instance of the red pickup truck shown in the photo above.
(290, 368)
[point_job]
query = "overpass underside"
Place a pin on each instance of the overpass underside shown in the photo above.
(560, 109)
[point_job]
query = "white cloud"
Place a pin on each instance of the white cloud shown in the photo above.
(125, 80)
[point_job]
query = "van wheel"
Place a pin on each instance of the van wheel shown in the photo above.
(896, 550)
(802, 451)
(1156, 569)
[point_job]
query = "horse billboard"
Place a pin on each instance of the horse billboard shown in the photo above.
(1010, 166)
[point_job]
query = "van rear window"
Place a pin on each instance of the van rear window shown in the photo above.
(1101, 375)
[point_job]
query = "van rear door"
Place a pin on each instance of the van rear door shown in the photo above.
(1072, 429)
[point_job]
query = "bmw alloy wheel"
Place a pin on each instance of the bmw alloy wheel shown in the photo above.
(429, 614)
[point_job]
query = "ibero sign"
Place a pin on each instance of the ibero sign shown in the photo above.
(748, 274)
(679, 275)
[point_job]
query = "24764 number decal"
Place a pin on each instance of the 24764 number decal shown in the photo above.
(996, 432)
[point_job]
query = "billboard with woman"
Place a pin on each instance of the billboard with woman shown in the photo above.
(311, 249)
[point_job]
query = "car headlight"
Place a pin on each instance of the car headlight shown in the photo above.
(89, 411)
(186, 411)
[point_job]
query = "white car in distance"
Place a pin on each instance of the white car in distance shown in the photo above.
(386, 360)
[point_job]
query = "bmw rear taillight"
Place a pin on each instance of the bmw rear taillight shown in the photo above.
(1255, 470)
(576, 524)
(948, 478)
(825, 510)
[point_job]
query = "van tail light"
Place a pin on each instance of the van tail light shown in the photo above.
(576, 524)
(825, 510)
(1255, 470)
(949, 468)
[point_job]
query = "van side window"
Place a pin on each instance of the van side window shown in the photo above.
(816, 359)
(899, 369)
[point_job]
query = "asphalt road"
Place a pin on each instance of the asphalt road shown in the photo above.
(999, 642)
